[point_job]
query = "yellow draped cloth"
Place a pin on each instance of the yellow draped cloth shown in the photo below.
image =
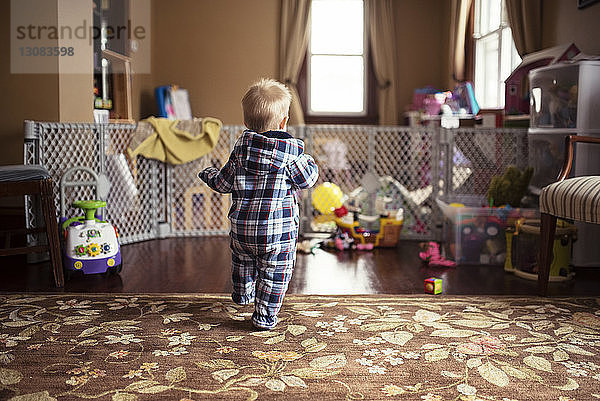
(174, 141)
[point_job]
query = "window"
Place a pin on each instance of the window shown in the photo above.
(335, 83)
(495, 52)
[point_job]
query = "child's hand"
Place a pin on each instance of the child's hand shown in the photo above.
(219, 180)
(203, 174)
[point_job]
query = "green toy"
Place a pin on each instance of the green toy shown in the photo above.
(509, 189)
(89, 208)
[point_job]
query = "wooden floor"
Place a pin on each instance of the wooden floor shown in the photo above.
(202, 265)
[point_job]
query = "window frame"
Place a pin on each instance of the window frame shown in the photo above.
(368, 115)
(478, 36)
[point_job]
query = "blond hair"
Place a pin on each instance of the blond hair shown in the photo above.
(266, 104)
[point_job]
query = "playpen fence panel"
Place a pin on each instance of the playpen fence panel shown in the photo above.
(406, 157)
(480, 154)
(420, 163)
(135, 204)
(101, 147)
(162, 206)
(31, 155)
(341, 152)
(195, 208)
(68, 145)
(60, 146)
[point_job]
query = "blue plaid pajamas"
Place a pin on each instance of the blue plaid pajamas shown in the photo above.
(263, 173)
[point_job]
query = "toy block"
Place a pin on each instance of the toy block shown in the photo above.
(433, 285)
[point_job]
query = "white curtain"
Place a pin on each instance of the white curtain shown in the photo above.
(293, 40)
(382, 36)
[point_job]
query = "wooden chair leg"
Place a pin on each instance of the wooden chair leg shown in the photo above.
(49, 212)
(547, 231)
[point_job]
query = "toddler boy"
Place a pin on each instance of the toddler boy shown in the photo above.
(265, 169)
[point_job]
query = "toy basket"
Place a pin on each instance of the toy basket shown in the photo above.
(524, 242)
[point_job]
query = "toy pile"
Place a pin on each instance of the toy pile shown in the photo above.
(340, 241)
(343, 241)
(370, 216)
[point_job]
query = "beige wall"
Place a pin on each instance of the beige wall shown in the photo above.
(42, 97)
(422, 39)
(141, 60)
(214, 49)
(24, 96)
(563, 22)
(74, 97)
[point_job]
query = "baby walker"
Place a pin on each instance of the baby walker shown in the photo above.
(90, 244)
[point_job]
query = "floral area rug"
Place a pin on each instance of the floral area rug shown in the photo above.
(188, 347)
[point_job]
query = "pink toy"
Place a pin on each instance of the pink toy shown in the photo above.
(339, 244)
(432, 256)
(364, 247)
(343, 241)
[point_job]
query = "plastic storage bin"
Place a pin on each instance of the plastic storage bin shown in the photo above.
(565, 96)
(565, 100)
(475, 234)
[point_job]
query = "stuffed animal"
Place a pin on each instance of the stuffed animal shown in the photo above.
(509, 189)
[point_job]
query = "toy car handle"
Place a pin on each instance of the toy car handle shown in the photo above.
(89, 207)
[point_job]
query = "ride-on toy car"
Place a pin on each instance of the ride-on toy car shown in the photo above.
(91, 245)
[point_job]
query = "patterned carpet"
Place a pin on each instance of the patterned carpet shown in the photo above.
(188, 347)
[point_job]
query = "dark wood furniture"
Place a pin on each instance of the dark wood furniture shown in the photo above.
(21, 180)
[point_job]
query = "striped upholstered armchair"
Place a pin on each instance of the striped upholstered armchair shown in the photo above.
(575, 198)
